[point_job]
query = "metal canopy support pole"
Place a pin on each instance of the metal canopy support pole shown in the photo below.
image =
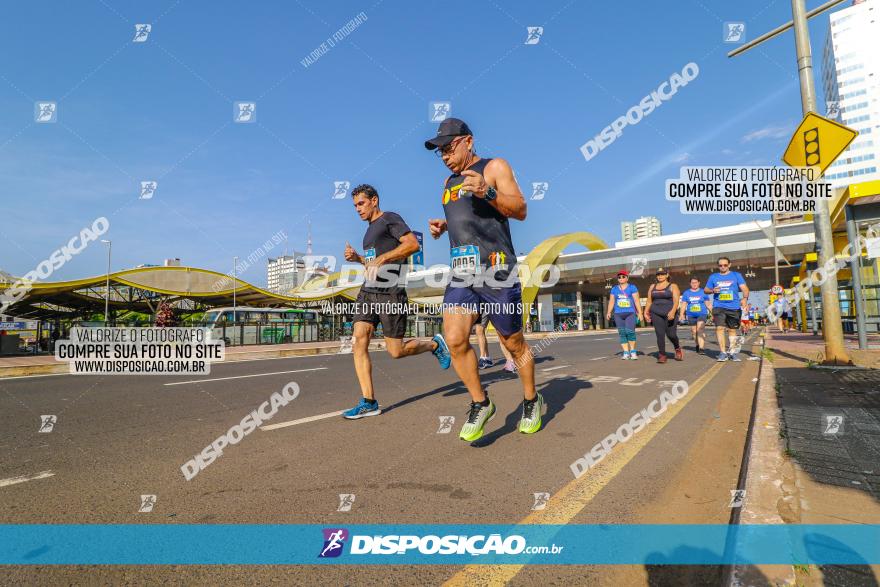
(813, 313)
(852, 234)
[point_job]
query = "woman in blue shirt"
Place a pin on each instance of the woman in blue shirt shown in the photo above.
(624, 303)
(696, 305)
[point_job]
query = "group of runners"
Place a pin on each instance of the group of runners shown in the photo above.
(479, 198)
(725, 296)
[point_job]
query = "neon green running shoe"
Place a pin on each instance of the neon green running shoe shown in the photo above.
(478, 415)
(531, 415)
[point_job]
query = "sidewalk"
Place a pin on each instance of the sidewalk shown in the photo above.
(814, 456)
(25, 365)
(813, 347)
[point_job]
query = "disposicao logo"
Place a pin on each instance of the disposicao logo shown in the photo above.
(334, 542)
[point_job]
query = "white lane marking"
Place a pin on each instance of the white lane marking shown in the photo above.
(23, 478)
(301, 420)
(598, 358)
(13, 377)
(555, 368)
(246, 376)
(31, 376)
(606, 338)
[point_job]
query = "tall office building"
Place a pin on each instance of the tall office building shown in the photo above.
(851, 80)
(644, 227)
(285, 272)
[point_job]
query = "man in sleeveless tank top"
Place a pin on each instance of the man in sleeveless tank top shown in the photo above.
(478, 199)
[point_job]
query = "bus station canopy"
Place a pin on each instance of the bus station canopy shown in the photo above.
(142, 289)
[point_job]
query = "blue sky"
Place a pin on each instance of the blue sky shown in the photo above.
(162, 110)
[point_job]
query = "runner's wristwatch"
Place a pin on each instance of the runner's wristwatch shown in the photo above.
(491, 194)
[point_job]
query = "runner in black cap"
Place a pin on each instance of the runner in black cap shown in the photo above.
(478, 199)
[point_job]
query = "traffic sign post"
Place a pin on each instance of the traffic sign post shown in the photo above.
(817, 143)
(810, 139)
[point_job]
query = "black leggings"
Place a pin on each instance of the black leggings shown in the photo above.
(664, 327)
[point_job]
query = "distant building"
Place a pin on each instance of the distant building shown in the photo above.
(644, 227)
(851, 80)
(285, 272)
(175, 262)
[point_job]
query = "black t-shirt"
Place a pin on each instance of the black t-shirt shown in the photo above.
(383, 235)
(473, 223)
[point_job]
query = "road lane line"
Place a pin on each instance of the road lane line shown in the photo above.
(301, 421)
(245, 376)
(605, 338)
(575, 495)
(555, 368)
(23, 478)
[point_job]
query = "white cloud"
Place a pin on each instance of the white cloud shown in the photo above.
(681, 158)
(770, 132)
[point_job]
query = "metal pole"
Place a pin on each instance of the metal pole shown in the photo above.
(107, 297)
(234, 284)
(832, 330)
(781, 29)
(775, 251)
(813, 320)
(852, 234)
(580, 306)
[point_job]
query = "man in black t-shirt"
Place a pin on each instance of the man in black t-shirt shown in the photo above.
(382, 298)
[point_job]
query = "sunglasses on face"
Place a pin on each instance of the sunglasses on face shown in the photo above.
(724, 264)
(446, 149)
(621, 277)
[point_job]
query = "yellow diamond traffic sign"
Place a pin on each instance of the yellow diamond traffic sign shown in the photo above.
(817, 142)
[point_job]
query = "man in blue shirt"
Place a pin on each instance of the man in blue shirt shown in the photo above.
(730, 297)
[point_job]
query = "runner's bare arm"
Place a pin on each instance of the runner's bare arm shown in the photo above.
(498, 174)
(676, 296)
(744, 301)
(437, 227)
(351, 255)
(409, 244)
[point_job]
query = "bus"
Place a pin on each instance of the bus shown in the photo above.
(244, 325)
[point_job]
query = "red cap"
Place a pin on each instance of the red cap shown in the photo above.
(623, 272)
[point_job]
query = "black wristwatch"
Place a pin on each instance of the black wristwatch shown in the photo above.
(491, 194)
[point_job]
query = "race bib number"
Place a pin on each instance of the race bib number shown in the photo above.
(465, 259)
(695, 309)
(623, 303)
(369, 255)
(725, 297)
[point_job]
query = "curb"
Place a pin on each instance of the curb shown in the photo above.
(770, 482)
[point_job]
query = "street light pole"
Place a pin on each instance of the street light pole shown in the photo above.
(107, 297)
(832, 328)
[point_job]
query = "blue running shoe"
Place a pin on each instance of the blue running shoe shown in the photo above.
(722, 358)
(442, 352)
(485, 362)
(364, 409)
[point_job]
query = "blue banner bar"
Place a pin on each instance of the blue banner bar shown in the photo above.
(162, 544)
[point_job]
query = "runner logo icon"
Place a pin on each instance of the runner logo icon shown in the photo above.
(534, 34)
(346, 500)
(47, 423)
(334, 542)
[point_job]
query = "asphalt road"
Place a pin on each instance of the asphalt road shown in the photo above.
(120, 437)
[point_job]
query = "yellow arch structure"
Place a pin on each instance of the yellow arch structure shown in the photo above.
(546, 253)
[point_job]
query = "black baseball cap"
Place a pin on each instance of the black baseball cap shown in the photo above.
(447, 131)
